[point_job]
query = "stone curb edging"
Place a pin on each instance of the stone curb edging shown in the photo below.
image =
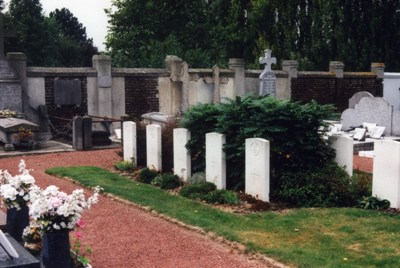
(236, 247)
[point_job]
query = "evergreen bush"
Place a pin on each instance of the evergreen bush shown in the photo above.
(166, 181)
(295, 133)
(197, 190)
(147, 175)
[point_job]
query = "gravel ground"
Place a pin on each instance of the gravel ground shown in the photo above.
(122, 235)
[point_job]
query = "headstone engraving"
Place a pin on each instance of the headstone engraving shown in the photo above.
(344, 152)
(257, 168)
(153, 147)
(386, 171)
(215, 159)
(129, 141)
(182, 159)
(267, 77)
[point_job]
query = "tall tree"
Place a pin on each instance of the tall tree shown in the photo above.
(57, 40)
(74, 48)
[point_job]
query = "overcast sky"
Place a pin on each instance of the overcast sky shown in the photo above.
(89, 12)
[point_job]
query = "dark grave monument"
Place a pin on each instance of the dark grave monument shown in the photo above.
(14, 255)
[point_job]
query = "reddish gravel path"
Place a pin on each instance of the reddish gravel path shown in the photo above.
(363, 163)
(123, 236)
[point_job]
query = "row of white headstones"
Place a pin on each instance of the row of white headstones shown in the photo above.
(386, 176)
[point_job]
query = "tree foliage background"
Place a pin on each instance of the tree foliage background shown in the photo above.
(208, 32)
(57, 40)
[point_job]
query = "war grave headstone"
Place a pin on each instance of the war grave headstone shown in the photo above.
(129, 141)
(215, 160)
(267, 77)
(153, 147)
(344, 151)
(182, 159)
(386, 171)
(257, 168)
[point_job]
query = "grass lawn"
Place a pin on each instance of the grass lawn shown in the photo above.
(334, 237)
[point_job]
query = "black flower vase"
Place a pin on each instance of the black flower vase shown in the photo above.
(16, 221)
(56, 250)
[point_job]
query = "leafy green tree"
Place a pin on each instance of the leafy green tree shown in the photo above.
(57, 40)
(74, 48)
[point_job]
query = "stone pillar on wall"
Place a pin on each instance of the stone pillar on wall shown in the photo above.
(378, 68)
(291, 67)
(336, 67)
(238, 66)
(102, 64)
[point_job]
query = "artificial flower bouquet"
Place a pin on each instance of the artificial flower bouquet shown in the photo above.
(15, 190)
(56, 211)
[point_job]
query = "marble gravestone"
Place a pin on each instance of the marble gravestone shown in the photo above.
(153, 147)
(267, 77)
(182, 158)
(215, 160)
(257, 168)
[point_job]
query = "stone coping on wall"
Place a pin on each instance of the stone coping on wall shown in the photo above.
(60, 71)
(359, 74)
(122, 72)
(257, 73)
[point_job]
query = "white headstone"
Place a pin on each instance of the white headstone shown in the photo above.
(344, 152)
(129, 143)
(182, 159)
(153, 147)
(257, 168)
(215, 159)
(386, 174)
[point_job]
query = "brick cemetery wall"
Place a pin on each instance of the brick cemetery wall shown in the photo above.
(325, 88)
(141, 95)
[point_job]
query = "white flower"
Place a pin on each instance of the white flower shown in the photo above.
(8, 192)
(26, 178)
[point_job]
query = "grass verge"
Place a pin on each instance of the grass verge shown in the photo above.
(334, 237)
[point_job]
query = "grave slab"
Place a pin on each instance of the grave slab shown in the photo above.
(215, 159)
(25, 259)
(182, 159)
(258, 168)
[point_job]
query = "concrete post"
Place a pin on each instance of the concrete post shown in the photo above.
(337, 68)
(378, 68)
(104, 83)
(238, 66)
(291, 67)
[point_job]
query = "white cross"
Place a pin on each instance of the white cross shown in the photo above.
(267, 60)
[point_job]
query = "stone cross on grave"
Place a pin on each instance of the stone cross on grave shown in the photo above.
(267, 77)
(4, 33)
(267, 60)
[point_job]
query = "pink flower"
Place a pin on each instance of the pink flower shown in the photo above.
(78, 235)
(80, 223)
